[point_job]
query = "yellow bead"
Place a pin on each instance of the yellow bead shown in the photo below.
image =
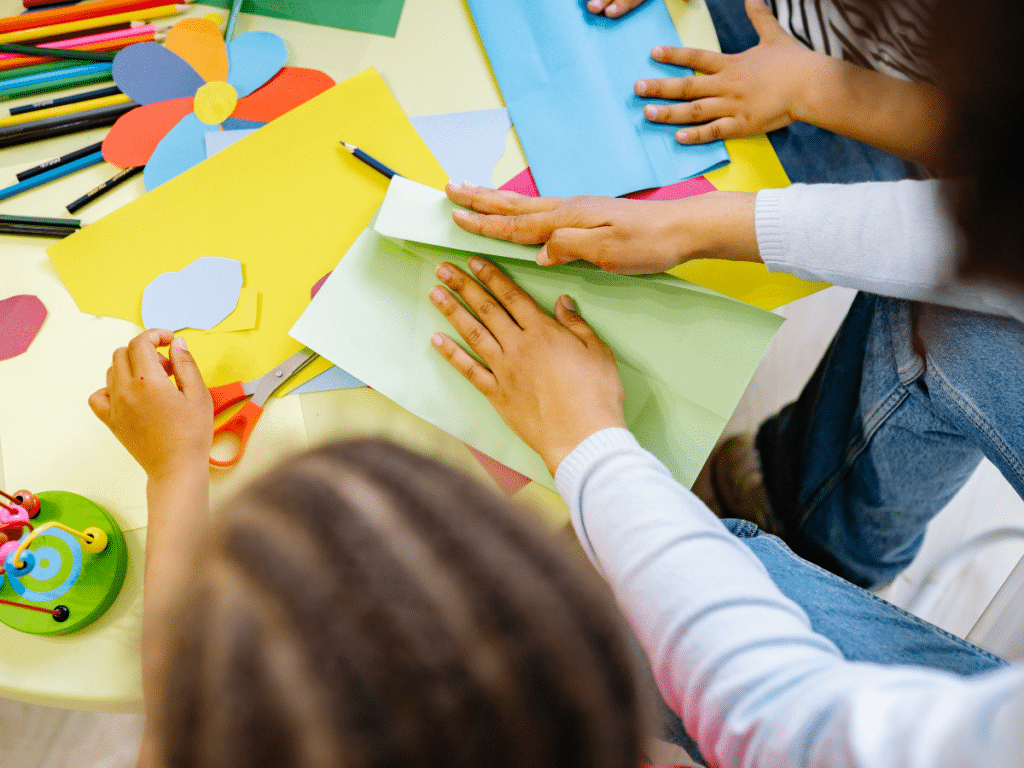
(95, 540)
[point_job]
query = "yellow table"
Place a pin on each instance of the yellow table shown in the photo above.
(50, 439)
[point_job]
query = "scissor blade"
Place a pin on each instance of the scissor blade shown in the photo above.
(278, 377)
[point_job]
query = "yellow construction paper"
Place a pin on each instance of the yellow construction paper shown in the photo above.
(287, 202)
(244, 316)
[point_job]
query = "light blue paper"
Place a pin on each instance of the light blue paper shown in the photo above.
(332, 378)
(217, 141)
(567, 78)
(199, 296)
(467, 144)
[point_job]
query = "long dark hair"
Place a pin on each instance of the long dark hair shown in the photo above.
(366, 607)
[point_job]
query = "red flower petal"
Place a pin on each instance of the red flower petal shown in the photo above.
(135, 134)
(286, 90)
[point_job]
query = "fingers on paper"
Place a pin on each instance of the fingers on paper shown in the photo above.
(566, 314)
(466, 364)
(613, 9)
(186, 372)
(475, 333)
(120, 369)
(689, 112)
(513, 299)
(697, 59)
(678, 88)
(570, 244)
(492, 314)
(501, 202)
(724, 128)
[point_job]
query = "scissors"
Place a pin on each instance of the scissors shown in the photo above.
(260, 390)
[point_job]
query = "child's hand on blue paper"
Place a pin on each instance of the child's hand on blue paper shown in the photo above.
(632, 237)
(613, 9)
(552, 380)
(742, 94)
(167, 426)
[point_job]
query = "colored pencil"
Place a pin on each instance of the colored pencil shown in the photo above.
(37, 69)
(105, 187)
(45, 77)
(81, 12)
(57, 233)
(62, 126)
(71, 79)
(56, 173)
(236, 8)
(37, 33)
(62, 100)
(66, 109)
(62, 160)
(40, 221)
(371, 161)
(35, 55)
(101, 52)
(84, 40)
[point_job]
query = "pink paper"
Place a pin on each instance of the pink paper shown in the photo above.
(524, 185)
(318, 285)
(21, 317)
(510, 481)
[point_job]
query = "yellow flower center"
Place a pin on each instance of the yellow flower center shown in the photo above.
(215, 102)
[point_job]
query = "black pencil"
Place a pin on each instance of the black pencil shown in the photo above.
(60, 102)
(63, 125)
(70, 157)
(105, 187)
(371, 161)
(40, 221)
(57, 53)
(17, 229)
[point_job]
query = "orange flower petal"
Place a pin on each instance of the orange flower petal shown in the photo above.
(286, 90)
(199, 42)
(135, 134)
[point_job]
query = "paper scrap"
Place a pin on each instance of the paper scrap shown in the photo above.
(21, 317)
(467, 144)
(220, 140)
(331, 379)
(523, 184)
(245, 315)
(318, 285)
(379, 17)
(199, 296)
(270, 202)
(508, 480)
(567, 78)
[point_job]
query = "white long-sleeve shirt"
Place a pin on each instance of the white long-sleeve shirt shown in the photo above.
(889, 238)
(738, 660)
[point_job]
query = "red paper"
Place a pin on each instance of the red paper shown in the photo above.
(21, 317)
(318, 285)
(510, 481)
(524, 185)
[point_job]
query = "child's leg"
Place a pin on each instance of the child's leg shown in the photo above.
(809, 154)
(884, 434)
(863, 627)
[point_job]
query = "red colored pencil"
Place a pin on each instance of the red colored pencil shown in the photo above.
(107, 45)
(89, 10)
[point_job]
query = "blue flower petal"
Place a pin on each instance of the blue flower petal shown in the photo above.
(254, 58)
(149, 73)
(182, 147)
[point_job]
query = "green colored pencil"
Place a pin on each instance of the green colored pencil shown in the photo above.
(56, 85)
(57, 53)
(35, 69)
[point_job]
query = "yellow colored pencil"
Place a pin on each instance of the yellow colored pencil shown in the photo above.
(55, 30)
(66, 109)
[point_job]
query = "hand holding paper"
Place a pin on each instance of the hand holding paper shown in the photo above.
(552, 380)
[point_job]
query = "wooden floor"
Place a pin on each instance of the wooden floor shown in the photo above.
(39, 737)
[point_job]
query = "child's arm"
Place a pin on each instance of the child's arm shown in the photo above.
(169, 431)
(778, 82)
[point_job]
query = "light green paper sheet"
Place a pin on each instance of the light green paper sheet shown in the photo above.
(685, 356)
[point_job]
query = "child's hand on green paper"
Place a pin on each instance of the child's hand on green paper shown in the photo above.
(168, 428)
(552, 380)
(742, 94)
(613, 9)
(632, 237)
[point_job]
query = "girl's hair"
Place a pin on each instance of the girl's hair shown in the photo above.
(364, 606)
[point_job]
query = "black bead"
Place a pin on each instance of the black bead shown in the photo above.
(61, 613)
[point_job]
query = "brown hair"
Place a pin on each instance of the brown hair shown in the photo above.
(365, 606)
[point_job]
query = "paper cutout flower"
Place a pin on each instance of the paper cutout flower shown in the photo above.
(196, 83)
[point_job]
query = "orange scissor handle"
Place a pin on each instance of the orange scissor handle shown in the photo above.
(227, 395)
(241, 424)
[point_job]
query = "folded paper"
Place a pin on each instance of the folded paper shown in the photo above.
(567, 78)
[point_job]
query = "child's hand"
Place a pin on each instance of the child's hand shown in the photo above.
(167, 428)
(551, 379)
(743, 94)
(613, 9)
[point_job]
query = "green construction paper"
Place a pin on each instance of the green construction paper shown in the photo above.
(379, 17)
(685, 355)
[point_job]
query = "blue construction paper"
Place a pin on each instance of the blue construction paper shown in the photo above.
(199, 296)
(149, 73)
(254, 58)
(183, 147)
(567, 78)
(332, 378)
(467, 144)
(57, 74)
(220, 140)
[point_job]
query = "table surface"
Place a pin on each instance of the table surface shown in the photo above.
(49, 440)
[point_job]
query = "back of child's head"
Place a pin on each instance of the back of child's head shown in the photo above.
(363, 606)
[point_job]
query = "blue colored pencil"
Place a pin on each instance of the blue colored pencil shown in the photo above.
(229, 33)
(59, 74)
(371, 161)
(56, 173)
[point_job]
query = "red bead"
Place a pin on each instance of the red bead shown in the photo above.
(29, 501)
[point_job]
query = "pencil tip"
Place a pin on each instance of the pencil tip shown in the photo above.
(349, 147)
